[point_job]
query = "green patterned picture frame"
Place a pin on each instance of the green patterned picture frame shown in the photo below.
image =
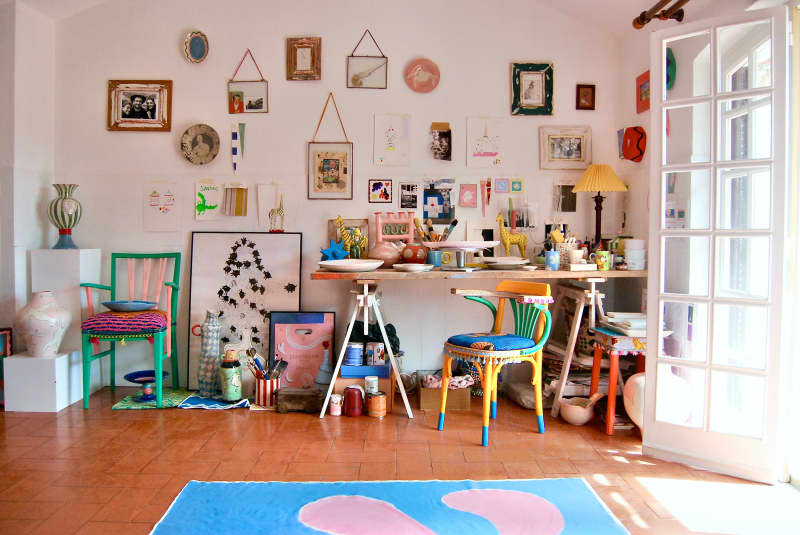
(532, 88)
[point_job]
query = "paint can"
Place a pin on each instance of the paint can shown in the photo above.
(375, 354)
(376, 405)
(336, 404)
(354, 354)
(371, 384)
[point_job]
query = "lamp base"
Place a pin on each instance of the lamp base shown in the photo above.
(598, 213)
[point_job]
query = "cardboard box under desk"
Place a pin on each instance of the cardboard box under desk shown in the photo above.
(430, 399)
(385, 385)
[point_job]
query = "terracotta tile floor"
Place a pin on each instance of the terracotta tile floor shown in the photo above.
(103, 471)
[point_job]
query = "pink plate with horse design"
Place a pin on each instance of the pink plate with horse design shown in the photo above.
(422, 75)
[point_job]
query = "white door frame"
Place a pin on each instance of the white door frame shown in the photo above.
(759, 459)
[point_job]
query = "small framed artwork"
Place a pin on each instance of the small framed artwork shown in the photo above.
(643, 92)
(531, 89)
(517, 185)
(565, 147)
(304, 58)
(380, 190)
(195, 46)
(564, 199)
(248, 96)
(367, 72)
(468, 195)
(585, 96)
(502, 185)
(140, 105)
(409, 195)
(330, 170)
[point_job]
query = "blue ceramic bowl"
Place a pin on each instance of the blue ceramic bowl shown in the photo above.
(130, 306)
(144, 377)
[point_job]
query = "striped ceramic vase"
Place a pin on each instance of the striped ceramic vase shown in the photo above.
(65, 212)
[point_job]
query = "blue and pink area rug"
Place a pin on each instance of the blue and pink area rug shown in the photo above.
(530, 506)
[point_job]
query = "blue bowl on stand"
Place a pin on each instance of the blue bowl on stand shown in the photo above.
(147, 380)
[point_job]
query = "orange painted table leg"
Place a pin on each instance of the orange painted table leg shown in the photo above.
(613, 371)
(596, 362)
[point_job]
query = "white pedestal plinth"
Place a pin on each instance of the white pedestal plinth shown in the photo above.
(45, 384)
(62, 271)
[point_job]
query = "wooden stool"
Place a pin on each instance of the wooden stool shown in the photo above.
(614, 344)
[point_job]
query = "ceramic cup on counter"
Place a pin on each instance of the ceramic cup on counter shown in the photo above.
(552, 260)
(576, 256)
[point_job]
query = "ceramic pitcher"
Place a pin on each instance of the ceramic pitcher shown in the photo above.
(42, 324)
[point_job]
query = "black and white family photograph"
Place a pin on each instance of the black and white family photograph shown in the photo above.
(409, 193)
(441, 146)
(143, 105)
(566, 148)
(139, 105)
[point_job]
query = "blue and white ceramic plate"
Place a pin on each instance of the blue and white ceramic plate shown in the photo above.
(130, 306)
(195, 47)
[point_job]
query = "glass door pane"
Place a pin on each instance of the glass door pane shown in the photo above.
(738, 336)
(684, 331)
(743, 267)
(737, 404)
(686, 265)
(687, 130)
(688, 199)
(745, 128)
(688, 67)
(745, 56)
(744, 198)
(680, 395)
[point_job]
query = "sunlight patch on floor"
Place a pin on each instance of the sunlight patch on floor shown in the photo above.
(709, 506)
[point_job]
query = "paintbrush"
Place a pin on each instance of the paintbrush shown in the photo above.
(449, 229)
(430, 227)
(420, 230)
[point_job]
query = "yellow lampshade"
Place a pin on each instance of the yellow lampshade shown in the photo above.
(600, 177)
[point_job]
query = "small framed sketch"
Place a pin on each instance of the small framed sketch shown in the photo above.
(565, 147)
(330, 170)
(248, 97)
(140, 105)
(409, 195)
(517, 185)
(304, 58)
(367, 72)
(502, 185)
(585, 96)
(468, 195)
(531, 89)
(380, 190)
(643, 92)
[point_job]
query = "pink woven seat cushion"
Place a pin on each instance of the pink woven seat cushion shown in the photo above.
(125, 323)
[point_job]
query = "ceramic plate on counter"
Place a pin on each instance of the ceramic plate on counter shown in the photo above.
(413, 268)
(351, 265)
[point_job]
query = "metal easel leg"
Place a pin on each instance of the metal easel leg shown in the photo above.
(358, 304)
(373, 301)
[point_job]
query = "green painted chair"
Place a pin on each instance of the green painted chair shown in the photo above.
(156, 326)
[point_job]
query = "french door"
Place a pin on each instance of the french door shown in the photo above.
(718, 119)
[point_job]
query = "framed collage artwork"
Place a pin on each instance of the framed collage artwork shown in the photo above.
(330, 170)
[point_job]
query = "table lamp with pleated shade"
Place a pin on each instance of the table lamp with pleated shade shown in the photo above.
(599, 178)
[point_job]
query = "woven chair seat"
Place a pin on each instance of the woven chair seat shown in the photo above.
(125, 323)
(491, 342)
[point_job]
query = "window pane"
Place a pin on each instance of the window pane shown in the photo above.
(690, 75)
(680, 395)
(743, 198)
(684, 331)
(686, 264)
(687, 130)
(740, 336)
(743, 267)
(745, 128)
(687, 197)
(745, 56)
(737, 404)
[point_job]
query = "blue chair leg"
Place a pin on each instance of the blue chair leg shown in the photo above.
(158, 361)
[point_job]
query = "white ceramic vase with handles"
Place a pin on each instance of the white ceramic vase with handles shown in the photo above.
(42, 325)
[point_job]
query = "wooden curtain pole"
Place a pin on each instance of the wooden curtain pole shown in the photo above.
(673, 12)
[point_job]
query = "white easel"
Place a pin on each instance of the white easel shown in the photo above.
(369, 297)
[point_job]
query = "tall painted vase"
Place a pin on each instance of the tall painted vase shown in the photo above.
(208, 380)
(231, 375)
(65, 213)
(42, 324)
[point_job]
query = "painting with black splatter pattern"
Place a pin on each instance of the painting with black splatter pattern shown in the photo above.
(242, 276)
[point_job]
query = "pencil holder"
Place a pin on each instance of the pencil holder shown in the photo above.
(266, 392)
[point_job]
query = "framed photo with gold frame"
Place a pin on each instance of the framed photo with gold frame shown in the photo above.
(531, 89)
(565, 147)
(330, 170)
(304, 58)
(140, 105)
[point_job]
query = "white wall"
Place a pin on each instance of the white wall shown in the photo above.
(471, 42)
(6, 165)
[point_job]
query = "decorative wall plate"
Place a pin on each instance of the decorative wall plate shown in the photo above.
(422, 75)
(195, 46)
(200, 144)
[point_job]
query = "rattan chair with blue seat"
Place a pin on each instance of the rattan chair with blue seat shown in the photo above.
(489, 352)
(156, 326)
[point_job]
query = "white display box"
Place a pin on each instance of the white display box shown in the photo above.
(45, 384)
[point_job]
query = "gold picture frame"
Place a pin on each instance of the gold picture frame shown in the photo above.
(304, 58)
(139, 105)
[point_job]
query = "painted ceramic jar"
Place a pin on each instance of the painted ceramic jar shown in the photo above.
(413, 253)
(208, 379)
(65, 212)
(231, 377)
(42, 324)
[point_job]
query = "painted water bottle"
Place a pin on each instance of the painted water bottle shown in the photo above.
(231, 376)
(208, 378)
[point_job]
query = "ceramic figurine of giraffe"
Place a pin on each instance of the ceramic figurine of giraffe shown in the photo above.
(345, 236)
(508, 239)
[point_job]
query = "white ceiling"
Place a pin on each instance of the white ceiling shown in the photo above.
(61, 9)
(616, 16)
